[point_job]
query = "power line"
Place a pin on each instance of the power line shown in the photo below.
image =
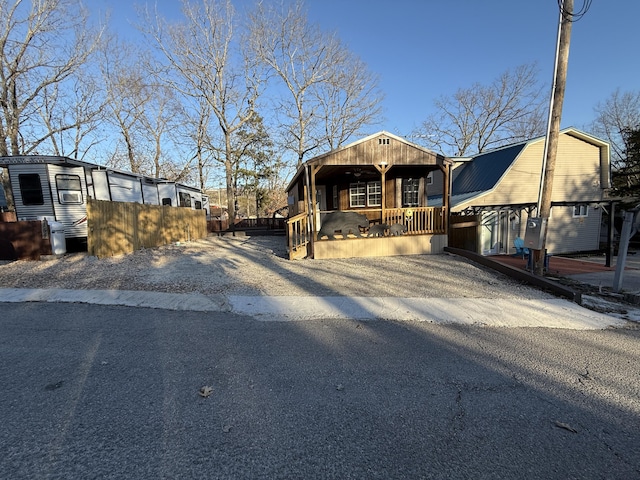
(575, 16)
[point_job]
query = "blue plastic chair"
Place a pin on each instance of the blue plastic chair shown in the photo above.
(520, 248)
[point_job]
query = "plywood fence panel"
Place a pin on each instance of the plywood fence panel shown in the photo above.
(117, 228)
(24, 240)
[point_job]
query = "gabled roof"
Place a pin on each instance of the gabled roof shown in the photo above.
(357, 152)
(318, 159)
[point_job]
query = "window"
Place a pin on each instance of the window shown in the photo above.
(581, 211)
(383, 141)
(374, 194)
(166, 201)
(430, 178)
(358, 194)
(198, 205)
(365, 194)
(184, 199)
(410, 189)
(336, 205)
(31, 189)
(69, 189)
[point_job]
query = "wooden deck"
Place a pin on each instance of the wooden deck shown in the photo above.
(561, 266)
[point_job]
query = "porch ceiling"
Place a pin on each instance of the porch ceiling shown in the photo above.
(362, 172)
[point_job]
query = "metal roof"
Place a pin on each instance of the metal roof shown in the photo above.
(486, 169)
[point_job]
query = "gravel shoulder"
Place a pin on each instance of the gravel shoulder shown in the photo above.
(258, 266)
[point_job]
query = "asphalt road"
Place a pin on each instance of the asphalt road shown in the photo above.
(90, 391)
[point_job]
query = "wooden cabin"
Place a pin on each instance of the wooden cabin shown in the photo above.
(382, 177)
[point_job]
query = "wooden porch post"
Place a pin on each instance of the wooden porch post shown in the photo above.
(314, 170)
(382, 169)
(446, 191)
(308, 210)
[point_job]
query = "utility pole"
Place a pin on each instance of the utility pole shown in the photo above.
(553, 128)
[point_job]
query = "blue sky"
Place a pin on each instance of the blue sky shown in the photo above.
(426, 48)
(422, 49)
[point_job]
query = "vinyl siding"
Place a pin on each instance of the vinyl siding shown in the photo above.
(72, 216)
(566, 234)
(576, 176)
(31, 212)
(437, 187)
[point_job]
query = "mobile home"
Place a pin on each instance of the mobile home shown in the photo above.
(57, 188)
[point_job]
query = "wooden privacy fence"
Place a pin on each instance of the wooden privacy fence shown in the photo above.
(24, 240)
(464, 232)
(116, 228)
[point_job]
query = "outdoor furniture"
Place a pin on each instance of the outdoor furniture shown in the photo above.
(521, 251)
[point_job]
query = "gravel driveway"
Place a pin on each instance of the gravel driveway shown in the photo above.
(258, 266)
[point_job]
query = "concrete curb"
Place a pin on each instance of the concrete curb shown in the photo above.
(130, 298)
(504, 312)
(500, 312)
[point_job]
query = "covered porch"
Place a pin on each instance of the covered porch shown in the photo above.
(369, 199)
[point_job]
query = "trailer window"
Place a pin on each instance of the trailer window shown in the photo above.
(31, 189)
(185, 199)
(69, 189)
(166, 201)
(198, 205)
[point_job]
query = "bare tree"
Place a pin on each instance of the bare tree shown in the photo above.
(74, 120)
(474, 119)
(193, 135)
(161, 116)
(330, 95)
(129, 94)
(350, 100)
(617, 117)
(42, 45)
(205, 64)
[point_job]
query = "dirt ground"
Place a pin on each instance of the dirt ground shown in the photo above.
(258, 266)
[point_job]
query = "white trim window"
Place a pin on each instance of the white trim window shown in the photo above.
(365, 194)
(358, 194)
(374, 194)
(580, 211)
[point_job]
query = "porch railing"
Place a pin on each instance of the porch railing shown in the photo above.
(298, 235)
(419, 220)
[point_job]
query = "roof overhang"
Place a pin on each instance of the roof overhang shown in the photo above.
(42, 159)
(330, 168)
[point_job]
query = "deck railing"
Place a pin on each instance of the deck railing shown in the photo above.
(298, 234)
(418, 220)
